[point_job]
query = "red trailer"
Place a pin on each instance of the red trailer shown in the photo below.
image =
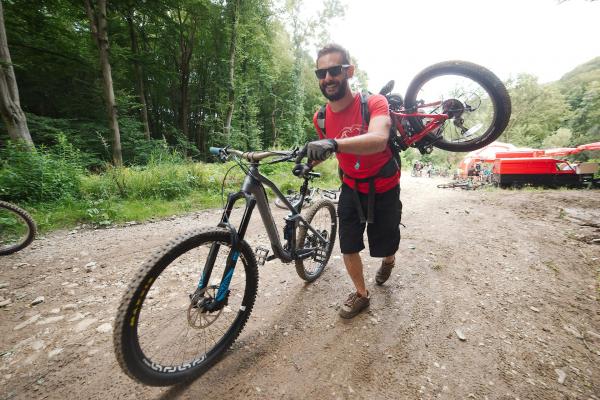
(543, 171)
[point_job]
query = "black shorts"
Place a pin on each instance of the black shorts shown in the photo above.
(383, 234)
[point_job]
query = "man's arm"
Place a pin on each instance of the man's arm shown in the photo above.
(371, 142)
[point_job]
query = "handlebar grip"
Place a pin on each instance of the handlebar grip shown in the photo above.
(215, 150)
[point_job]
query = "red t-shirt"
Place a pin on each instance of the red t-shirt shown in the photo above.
(348, 123)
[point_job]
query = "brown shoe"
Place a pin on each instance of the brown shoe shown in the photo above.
(384, 272)
(354, 305)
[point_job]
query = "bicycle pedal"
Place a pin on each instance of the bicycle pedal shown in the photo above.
(262, 255)
(320, 254)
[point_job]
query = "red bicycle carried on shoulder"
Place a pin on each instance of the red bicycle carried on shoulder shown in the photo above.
(453, 105)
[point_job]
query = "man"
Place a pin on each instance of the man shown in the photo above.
(370, 174)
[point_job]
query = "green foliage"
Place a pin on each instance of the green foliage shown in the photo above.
(42, 175)
(538, 111)
(561, 138)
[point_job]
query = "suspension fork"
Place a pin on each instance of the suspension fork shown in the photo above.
(236, 237)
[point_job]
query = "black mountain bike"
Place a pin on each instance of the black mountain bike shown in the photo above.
(17, 228)
(190, 301)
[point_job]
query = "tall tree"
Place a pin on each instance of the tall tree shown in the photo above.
(235, 15)
(10, 106)
(138, 71)
(186, 19)
(98, 24)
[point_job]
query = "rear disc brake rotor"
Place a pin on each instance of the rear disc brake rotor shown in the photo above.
(453, 108)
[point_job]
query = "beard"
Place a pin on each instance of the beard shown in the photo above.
(338, 94)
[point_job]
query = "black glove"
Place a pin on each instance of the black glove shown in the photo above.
(319, 150)
(301, 169)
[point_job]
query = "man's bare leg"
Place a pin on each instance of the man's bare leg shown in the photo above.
(354, 267)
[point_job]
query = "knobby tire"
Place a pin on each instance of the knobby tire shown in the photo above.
(303, 233)
(127, 347)
(490, 82)
(29, 222)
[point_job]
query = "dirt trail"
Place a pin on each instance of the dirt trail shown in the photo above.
(515, 272)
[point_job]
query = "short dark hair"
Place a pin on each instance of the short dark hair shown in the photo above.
(334, 48)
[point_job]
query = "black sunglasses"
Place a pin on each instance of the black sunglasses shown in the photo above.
(333, 71)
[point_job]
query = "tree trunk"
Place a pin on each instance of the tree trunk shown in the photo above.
(98, 24)
(186, 47)
(231, 83)
(274, 127)
(10, 106)
(139, 74)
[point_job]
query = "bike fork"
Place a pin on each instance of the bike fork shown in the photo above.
(237, 236)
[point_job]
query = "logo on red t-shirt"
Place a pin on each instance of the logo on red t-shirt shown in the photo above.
(349, 131)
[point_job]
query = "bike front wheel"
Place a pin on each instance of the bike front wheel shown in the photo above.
(17, 228)
(163, 335)
(475, 100)
(322, 217)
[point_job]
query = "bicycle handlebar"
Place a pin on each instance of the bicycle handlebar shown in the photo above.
(300, 169)
(252, 156)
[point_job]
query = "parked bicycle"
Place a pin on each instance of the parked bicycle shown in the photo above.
(314, 194)
(17, 228)
(191, 300)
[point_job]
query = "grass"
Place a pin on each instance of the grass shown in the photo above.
(158, 191)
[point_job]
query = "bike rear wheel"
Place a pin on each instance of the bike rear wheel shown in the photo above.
(292, 198)
(17, 228)
(331, 195)
(476, 101)
(322, 217)
(162, 337)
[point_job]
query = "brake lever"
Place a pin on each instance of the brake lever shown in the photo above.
(301, 154)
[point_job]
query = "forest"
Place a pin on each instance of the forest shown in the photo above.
(121, 101)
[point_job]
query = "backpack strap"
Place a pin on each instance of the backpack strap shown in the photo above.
(364, 111)
(321, 119)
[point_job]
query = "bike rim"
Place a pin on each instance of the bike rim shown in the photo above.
(469, 105)
(322, 223)
(14, 230)
(174, 337)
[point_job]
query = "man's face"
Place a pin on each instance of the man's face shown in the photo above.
(334, 87)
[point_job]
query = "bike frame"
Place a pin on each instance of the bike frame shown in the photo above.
(408, 140)
(253, 192)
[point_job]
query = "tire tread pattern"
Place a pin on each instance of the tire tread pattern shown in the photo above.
(302, 235)
(30, 224)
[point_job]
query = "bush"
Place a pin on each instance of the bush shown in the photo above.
(38, 176)
(164, 178)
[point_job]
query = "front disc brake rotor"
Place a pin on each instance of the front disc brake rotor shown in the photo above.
(197, 316)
